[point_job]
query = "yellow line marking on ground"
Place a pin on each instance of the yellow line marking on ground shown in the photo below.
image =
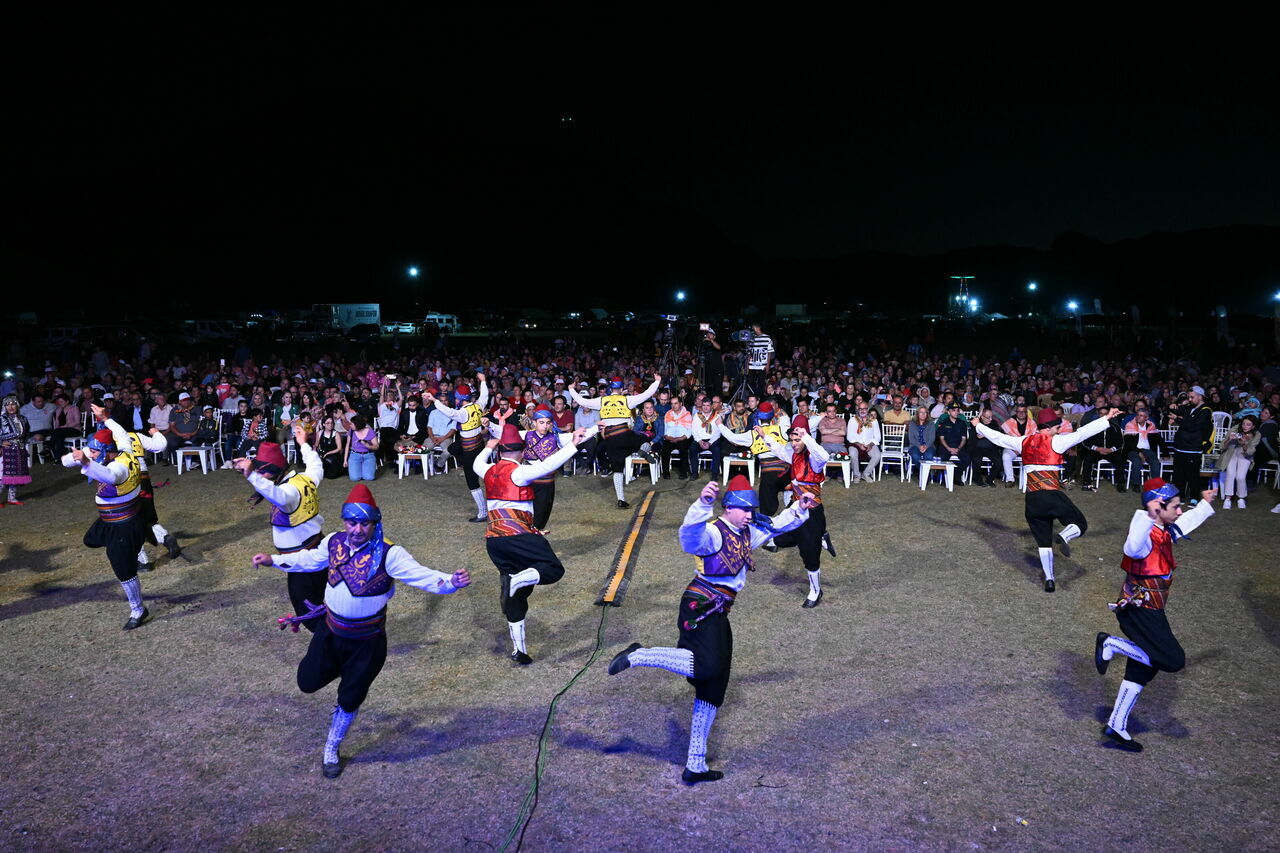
(625, 559)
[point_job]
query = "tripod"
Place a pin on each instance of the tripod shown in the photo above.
(667, 363)
(744, 389)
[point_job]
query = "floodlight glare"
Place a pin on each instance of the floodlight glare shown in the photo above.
(1071, 306)
(413, 272)
(1031, 287)
(680, 296)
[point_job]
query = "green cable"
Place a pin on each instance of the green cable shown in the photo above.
(530, 801)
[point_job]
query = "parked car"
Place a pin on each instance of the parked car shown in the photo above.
(404, 327)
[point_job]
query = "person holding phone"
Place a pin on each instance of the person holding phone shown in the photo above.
(362, 445)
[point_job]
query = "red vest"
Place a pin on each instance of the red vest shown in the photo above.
(1159, 562)
(498, 485)
(1037, 449)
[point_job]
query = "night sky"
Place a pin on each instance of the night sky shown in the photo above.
(291, 160)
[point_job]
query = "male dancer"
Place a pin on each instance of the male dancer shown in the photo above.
(540, 443)
(350, 642)
(296, 523)
(704, 653)
(522, 555)
(139, 444)
(706, 436)
(617, 439)
(807, 459)
(1148, 563)
(470, 434)
(1041, 453)
(773, 471)
(118, 527)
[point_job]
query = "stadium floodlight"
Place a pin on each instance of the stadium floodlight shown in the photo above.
(679, 296)
(1032, 286)
(1071, 306)
(413, 272)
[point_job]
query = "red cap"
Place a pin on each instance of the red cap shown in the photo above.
(104, 436)
(464, 390)
(511, 435)
(765, 408)
(1047, 417)
(1152, 485)
(740, 484)
(360, 494)
(269, 453)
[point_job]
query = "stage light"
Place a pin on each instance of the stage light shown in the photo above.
(1071, 306)
(1032, 287)
(973, 305)
(413, 272)
(679, 296)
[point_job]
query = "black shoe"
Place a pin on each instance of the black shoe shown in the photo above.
(1121, 742)
(650, 456)
(694, 476)
(770, 547)
(691, 778)
(171, 544)
(826, 543)
(620, 660)
(332, 771)
(521, 658)
(1050, 586)
(1063, 544)
(810, 603)
(145, 567)
(1098, 660)
(684, 475)
(135, 621)
(623, 505)
(478, 519)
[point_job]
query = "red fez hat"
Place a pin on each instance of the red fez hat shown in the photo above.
(464, 390)
(765, 408)
(360, 494)
(1152, 485)
(104, 436)
(269, 453)
(1047, 417)
(511, 437)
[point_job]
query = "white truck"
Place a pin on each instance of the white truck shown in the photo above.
(344, 316)
(443, 322)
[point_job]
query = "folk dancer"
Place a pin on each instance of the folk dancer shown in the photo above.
(521, 554)
(541, 443)
(296, 523)
(118, 527)
(617, 438)
(807, 460)
(357, 569)
(704, 653)
(15, 468)
(139, 445)
(1041, 452)
(773, 471)
(470, 433)
(1148, 564)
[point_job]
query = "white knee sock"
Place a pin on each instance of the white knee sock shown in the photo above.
(516, 630)
(679, 661)
(143, 559)
(13, 494)
(1125, 699)
(617, 485)
(478, 496)
(528, 577)
(159, 532)
(1119, 645)
(815, 584)
(1046, 562)
(1071, 531)
(133, 592)
(337, 731)
(704, 714)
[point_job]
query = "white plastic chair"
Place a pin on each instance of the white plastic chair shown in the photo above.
(928, 466)
(893, 439)
(734, 459)
(633, 460)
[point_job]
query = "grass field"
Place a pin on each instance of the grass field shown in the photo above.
(936, 700)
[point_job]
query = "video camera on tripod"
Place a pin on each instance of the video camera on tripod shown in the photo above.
(743, 336)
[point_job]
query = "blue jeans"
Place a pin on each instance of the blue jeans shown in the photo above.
(361, 466)
(916, 455)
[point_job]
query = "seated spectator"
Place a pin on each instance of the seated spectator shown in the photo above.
(1105, 446)
(677, 435)
(1017, 425)
(184, 423)
(897, 413)
(863, 435)
(1142, 442)
(253, 432)
(984, 450)
(207, 429)
(39, 417)
(831, 429)
(66, 424)
(921, 437)
(953, 436)
(331, 446)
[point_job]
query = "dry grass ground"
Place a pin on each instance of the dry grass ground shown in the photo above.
(936, 700)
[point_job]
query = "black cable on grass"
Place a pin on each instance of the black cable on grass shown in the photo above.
(530, 802)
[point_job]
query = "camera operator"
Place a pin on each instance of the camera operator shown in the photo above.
(759, 358)
(1194, 438)
(712, 362)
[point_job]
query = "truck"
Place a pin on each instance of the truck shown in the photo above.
(443, 322)
(343, 316)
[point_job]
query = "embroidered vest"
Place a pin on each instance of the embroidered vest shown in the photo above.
(1037, 449)
(614, 406)
(1149, 578)
(474, 414)
(772, 430)
(131, 482)
(734, 554)
(356, 568)
(308, 506)
(804, 479)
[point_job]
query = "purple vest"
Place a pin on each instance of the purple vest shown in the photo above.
(734, 554)
(539, 447)
(362, 577)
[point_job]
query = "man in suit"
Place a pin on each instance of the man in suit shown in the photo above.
(1106, 445)
(413, 420)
